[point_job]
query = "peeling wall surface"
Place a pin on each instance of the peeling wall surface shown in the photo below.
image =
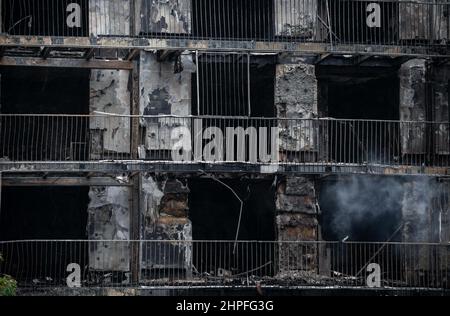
(415, 21)
(108, 17)
(296, 18)
(109, 219)
(296, 220)
(163, 92)
(109, 93)
(164, 212)
(164, 16)
(413, 105)
(296, 97)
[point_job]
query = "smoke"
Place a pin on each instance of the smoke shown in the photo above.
(368, 208)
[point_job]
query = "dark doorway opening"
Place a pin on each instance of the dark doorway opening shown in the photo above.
(234, 85)
(214, 212)
(364, 208)
(363, 213)
(356, 95)
(29, 93)
(40, 221)
(233, 19)
(46, 17)
(44, 213)
(35, 90)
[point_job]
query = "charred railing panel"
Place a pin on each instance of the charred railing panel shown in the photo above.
(100, 263)
(420, 27)
(218, 140)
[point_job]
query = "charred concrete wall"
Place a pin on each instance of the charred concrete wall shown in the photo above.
(164, 216)
(415, 17)
(296, 90)
(109, 17)
(163, 16)
(109, 219)
(413, 104)
(440, 79)
(163, 92)
(297, 220)
(109, 93)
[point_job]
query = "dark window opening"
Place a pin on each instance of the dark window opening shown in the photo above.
(26, 93)
(355, 94)
(358, 22)
(215, 216)
(233, 19)
(44, 213)
(225, 88)
(35, 90)
(46, 17)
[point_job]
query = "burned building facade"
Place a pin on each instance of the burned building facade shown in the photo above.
(295, 142)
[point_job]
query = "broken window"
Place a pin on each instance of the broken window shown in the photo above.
(233, 19)
(215, 216)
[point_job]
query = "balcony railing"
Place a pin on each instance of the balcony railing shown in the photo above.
(100, 263)
(327, 143)
(341, 25)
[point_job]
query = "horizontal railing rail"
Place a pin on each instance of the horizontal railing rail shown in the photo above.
(106, 263)
(337, 23)
(223, 140)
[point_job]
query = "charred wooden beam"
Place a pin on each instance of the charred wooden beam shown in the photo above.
(45, 52)
(25, 181)
(132, 54)
(163, 55)
(65, 63)
(89, 53)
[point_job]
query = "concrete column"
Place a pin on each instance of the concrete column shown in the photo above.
(413, 102)
(440, 81)
(164, 213)
(109, 93)
(163, 92)
(296, 98)
(419, 226)
(297, 220)
(109, 219)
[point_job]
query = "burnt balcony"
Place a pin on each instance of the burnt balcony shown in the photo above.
(43, 264)
(188, 144)
(318, 26)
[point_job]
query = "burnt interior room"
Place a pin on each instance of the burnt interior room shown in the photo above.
(36, 90)
(214, 211)
(363, 209)
(44, 213)
(360, 93)
(45, 17)
(233, 19)
(40, 90)
(224, 85)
